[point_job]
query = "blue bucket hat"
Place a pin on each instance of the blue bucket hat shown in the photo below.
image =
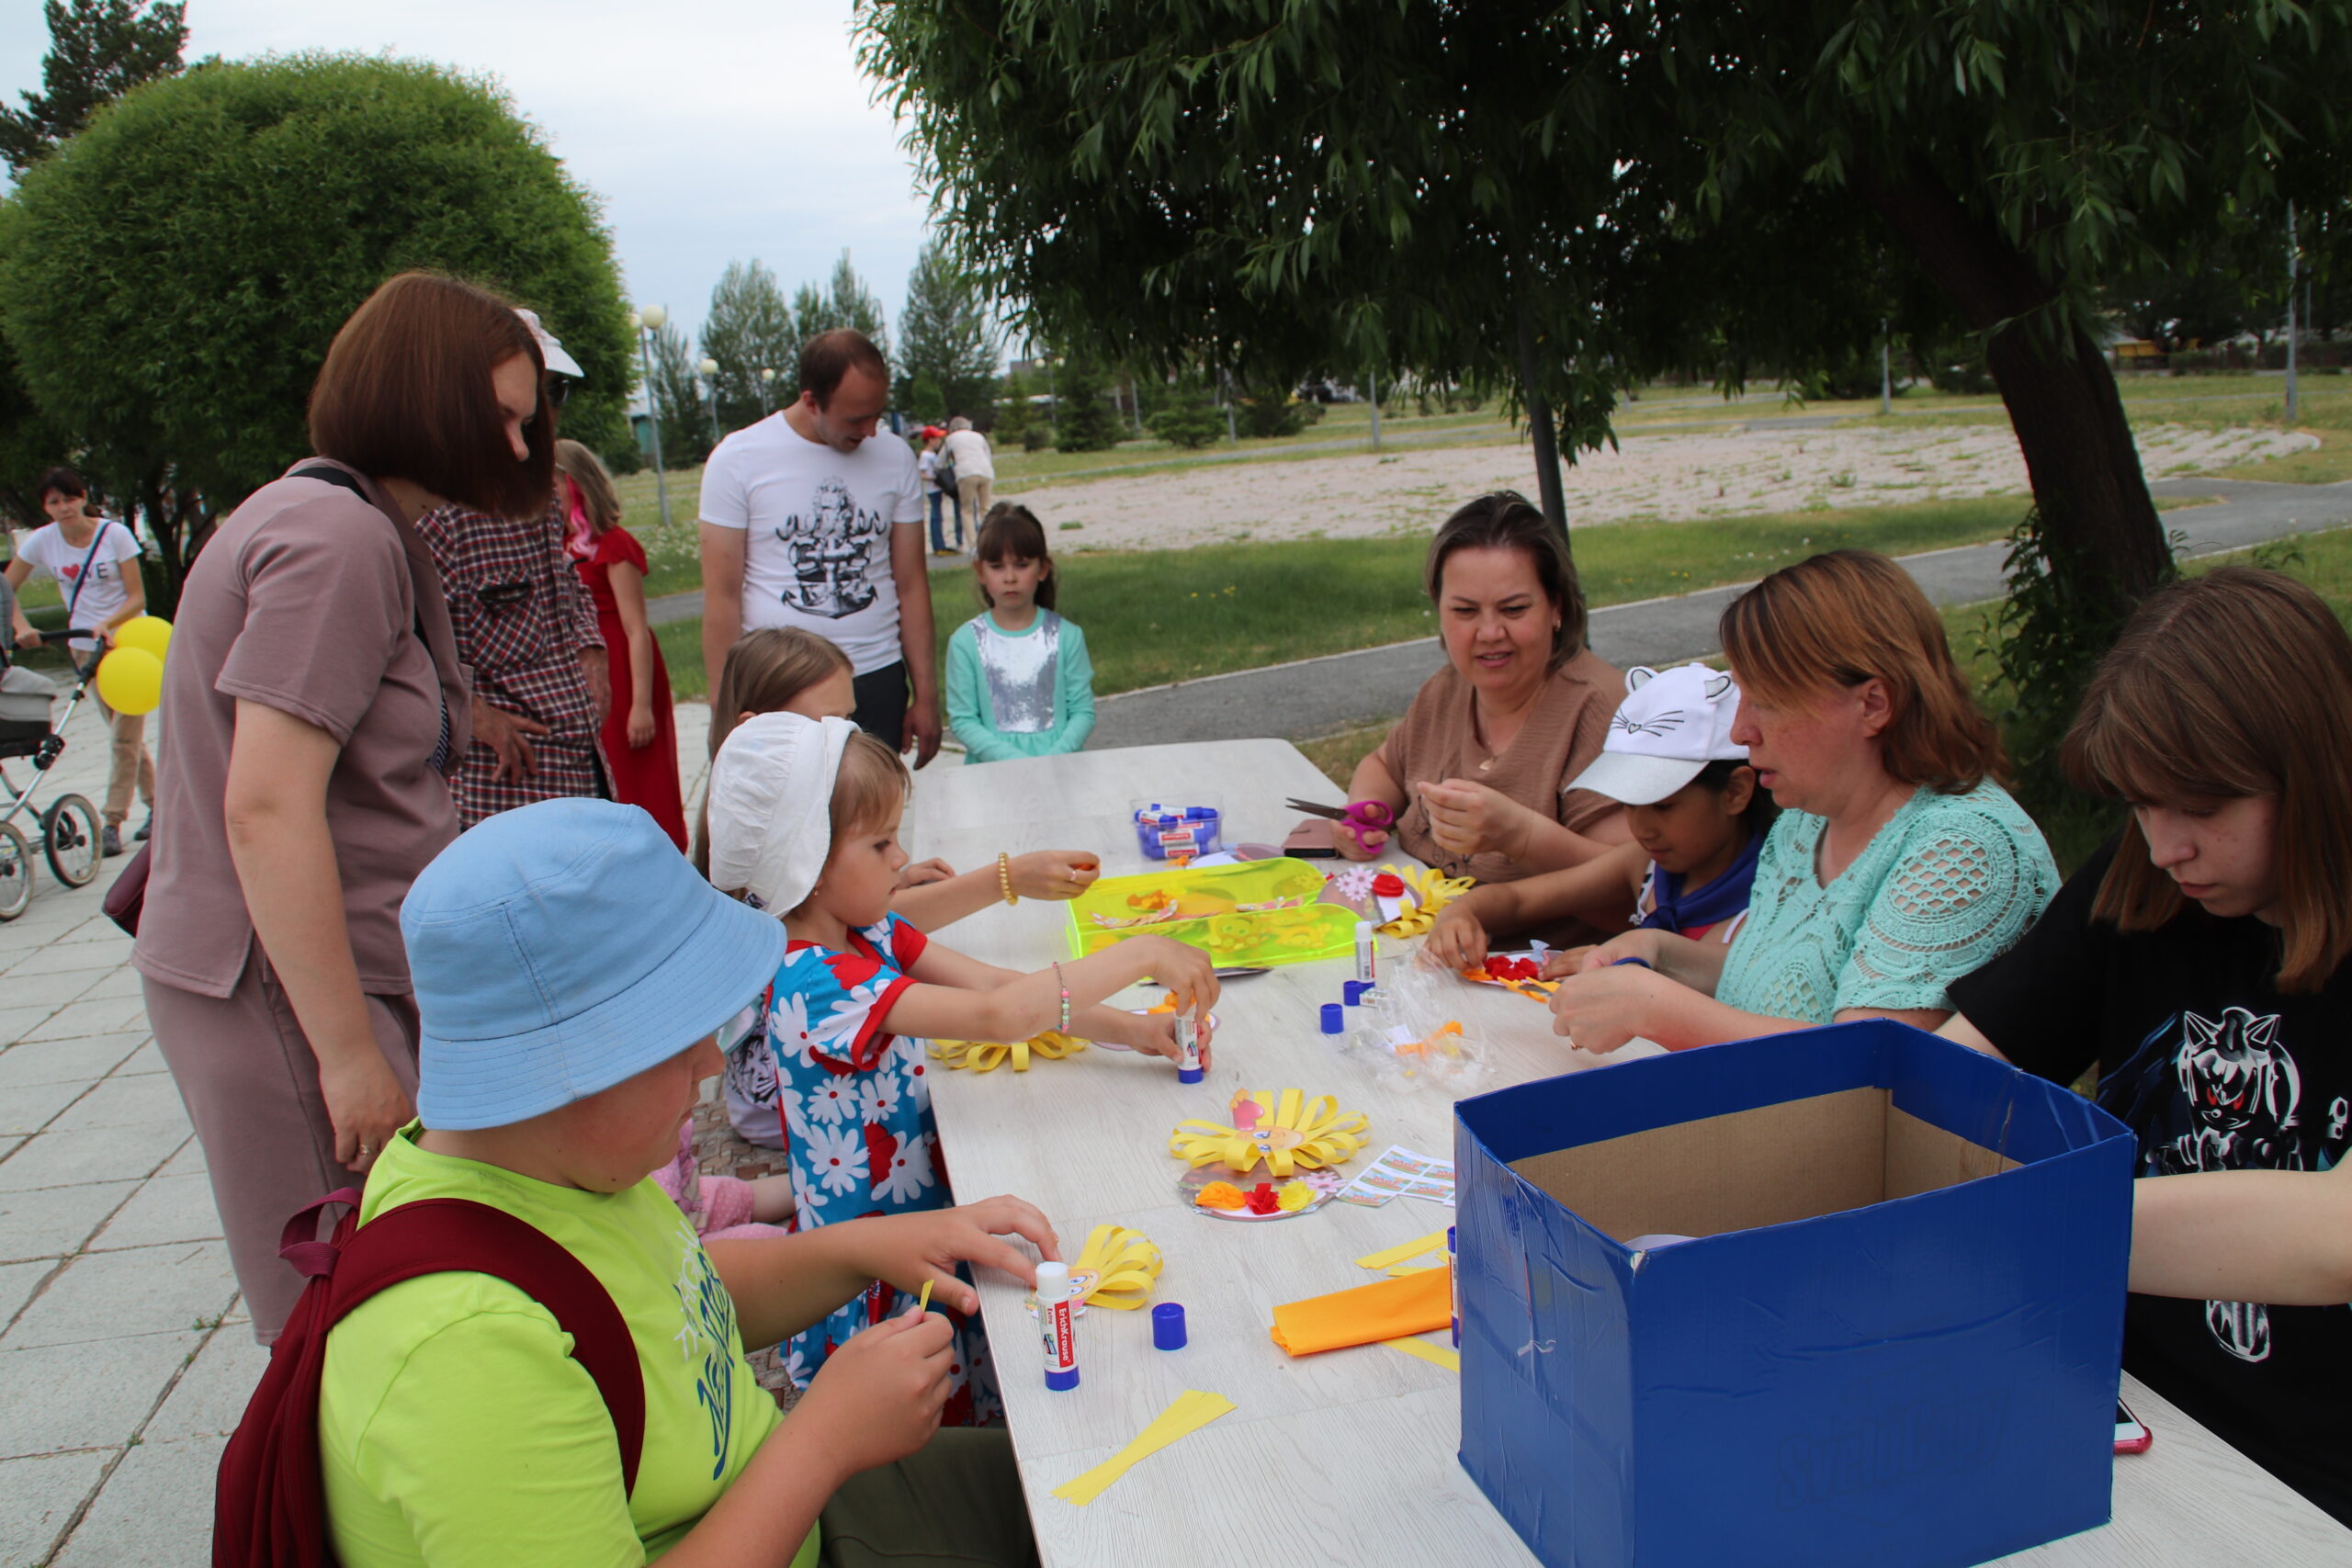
(559, 949)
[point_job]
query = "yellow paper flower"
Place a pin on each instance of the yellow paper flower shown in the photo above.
(1294, 1196)
(1432, 891)
(1293, 1134)
(983, 1055)
(1115, 1269)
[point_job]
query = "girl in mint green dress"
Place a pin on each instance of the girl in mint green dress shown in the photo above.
(1897, 865)
(1019, 682)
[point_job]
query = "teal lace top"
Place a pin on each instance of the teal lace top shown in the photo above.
(1948, 885)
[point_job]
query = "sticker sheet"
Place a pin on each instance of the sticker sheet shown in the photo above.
(1401, 1173)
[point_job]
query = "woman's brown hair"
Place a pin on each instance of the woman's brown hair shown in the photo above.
(406, 394)
(1840, 619)
(1012, 529)
(764, 670)
(1507, 520)
(597, 496)
(2224, 686)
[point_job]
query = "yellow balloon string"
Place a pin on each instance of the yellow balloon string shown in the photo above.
(986, 1056)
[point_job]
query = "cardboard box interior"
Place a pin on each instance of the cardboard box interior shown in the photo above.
(1768, 1165)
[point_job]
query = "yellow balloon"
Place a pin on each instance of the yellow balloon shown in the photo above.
(148, 634)
(130, 680)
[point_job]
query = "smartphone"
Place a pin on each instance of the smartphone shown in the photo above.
(2131, 1435)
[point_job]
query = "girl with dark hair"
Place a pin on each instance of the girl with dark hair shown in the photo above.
(1019, 682)
(1479, 772)
(312, 705)
(2198, 961)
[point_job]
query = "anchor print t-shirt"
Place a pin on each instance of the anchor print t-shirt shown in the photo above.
(2214, 1068)
(817, 532)
(455, 1428)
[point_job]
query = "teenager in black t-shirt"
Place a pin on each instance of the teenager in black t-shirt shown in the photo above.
(2199, 961)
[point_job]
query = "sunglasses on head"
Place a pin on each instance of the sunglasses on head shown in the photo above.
(559, 389)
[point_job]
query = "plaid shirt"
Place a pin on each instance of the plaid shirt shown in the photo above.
(522, 618)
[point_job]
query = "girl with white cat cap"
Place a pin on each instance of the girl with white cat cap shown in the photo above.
(804, 822)
(1698, 820)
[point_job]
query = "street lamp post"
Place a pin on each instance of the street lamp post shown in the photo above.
(767, 386)
(648, 320)
(709, 368)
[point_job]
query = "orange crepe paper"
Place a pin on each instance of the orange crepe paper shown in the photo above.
(1369, 1315)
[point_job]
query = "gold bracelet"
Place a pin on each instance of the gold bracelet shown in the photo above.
(1004, 876)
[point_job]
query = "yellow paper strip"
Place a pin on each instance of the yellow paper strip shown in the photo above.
(922, 1303)
(1429, 1243)
(1435, 1355)
(1399, 1270)
(1182, 1419)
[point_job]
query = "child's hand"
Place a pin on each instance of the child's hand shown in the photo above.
(1641, 944)
(1458, 941)
(1056, 874)
(1186, 971)
(905, 1250)
(877, 1398)
(923, 873)
(1155, 1035)
(1565, 962)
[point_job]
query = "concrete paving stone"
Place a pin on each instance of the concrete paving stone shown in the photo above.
(114, 1015)
(51, 1221)
(156, 1512)
(31, 1109)
(42, 1494)
(16, 1022)
(18, 1283)
(123, 982)
(121, 1102)
(112, 1153)
(167, 1209)
(210, 1399)
(98, 931)
(105, 1296)
(61, 1396)
(148, 1058)
(49, 989)
(189, 1161)
(83, 1061)
(54, 958)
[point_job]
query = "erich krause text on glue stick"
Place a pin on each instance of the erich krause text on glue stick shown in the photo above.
(1188, 1048)
(1054, 1325)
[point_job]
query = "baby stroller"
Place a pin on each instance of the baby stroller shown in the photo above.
(69, 828)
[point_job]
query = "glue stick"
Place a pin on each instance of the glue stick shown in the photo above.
(1055, 1325)
(1453, 1285)
(1367, 955)
(1188, 1048)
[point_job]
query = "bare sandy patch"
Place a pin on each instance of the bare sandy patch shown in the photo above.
(1673, 477)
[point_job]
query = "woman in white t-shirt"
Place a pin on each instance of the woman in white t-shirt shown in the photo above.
(94, 561)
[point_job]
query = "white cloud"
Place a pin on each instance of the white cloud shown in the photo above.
(714, 131)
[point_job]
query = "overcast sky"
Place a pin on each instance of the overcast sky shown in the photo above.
(713, 130)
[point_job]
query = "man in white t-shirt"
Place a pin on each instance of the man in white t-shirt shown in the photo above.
(813, 518)
(94, 561)
(968, 450)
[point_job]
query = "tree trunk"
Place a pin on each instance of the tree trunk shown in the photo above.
(1538, 425)
(2106, 545)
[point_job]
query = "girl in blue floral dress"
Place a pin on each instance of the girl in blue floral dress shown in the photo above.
(804, 818)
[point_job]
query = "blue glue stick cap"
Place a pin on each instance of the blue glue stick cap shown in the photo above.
(1335, 1018)
(1189, 1075)
(1062, 1382)
(1354, 991)
(1168, 1326)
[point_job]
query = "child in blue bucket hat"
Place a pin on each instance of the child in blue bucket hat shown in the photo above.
(571, 969)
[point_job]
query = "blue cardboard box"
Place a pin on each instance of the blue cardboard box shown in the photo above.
(1893, 1342)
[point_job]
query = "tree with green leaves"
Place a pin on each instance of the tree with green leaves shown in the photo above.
(1186, 417)
(1560, 200)
(676, 395)
(750, 329)
(171, 278)
(947, 344)
(1084, 420)
(98, 50)
(845, 301)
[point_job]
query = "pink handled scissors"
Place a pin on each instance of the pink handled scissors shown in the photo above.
(1365, 821)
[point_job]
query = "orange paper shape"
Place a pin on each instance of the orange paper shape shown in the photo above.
(1387, 1309)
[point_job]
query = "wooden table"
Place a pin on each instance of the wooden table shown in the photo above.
(1350, 1456)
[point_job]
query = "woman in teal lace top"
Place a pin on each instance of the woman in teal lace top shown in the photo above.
(1897, 866)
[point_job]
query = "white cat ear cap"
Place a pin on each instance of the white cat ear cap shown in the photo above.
(1670, 725)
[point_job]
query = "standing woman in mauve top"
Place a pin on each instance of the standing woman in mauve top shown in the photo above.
(312, 705)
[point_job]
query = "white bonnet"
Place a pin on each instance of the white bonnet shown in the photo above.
(771, 805)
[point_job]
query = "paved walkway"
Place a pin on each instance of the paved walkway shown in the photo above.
(1318, 696)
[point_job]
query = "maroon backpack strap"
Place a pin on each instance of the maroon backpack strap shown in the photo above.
(270, 1508)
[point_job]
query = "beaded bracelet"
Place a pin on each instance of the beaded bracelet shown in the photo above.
(1064, 986)
(1004, 876)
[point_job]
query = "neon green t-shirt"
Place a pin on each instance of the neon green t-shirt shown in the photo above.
(455, 1428)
